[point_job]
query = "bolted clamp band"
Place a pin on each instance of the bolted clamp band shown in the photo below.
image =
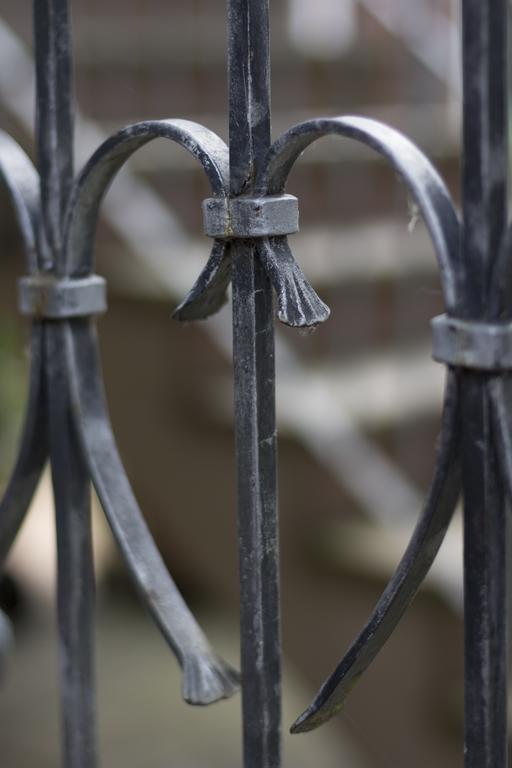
(46, 296)
(225, 217)
(472, 344)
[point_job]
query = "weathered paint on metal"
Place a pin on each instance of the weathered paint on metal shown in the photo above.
(249, 216)
(67, 419)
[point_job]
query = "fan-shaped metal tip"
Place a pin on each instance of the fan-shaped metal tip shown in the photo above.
(207, 679)
(299, 305)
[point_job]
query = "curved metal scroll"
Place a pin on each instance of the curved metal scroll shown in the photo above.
(437, 209)
(72, 347)
(22, 183)
(209, 293)
(29, 464)
(422, 179)
(298, 306)
(67, 417)
(206, 678)
(298, 303)
(32, 451)
(93, 182)
(421, 551)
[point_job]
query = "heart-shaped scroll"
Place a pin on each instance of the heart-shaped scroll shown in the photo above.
(298, 305)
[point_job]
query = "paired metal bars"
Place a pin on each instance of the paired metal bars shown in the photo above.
(249, 216)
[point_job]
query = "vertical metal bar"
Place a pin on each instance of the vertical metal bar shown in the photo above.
(485, 206)
(54, 119)
(75, 571)
(75, 579)
(253, 349)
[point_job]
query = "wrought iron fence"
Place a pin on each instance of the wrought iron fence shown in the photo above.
(249, 217)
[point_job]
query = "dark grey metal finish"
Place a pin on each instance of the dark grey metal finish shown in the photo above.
(253, 357)
(94, 180)
(75, 572)
(249, 217)
(205, 677)
(420, 554)
(44, 296)
(471, 344)
(485, 541)
(22, 182)
(469, 272)
(438, 212)
(66, 418)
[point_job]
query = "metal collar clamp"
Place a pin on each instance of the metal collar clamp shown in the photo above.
(52, 298)
(483, 346)
(248, 217)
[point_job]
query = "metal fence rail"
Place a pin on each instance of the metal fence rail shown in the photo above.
(249, 217)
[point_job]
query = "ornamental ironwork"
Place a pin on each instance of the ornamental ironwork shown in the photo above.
(249, 216)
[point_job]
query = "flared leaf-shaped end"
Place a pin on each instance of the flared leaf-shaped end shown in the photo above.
(207, 678)
(209, 294)
(298, 303)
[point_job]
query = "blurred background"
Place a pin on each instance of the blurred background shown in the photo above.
(358, 401)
